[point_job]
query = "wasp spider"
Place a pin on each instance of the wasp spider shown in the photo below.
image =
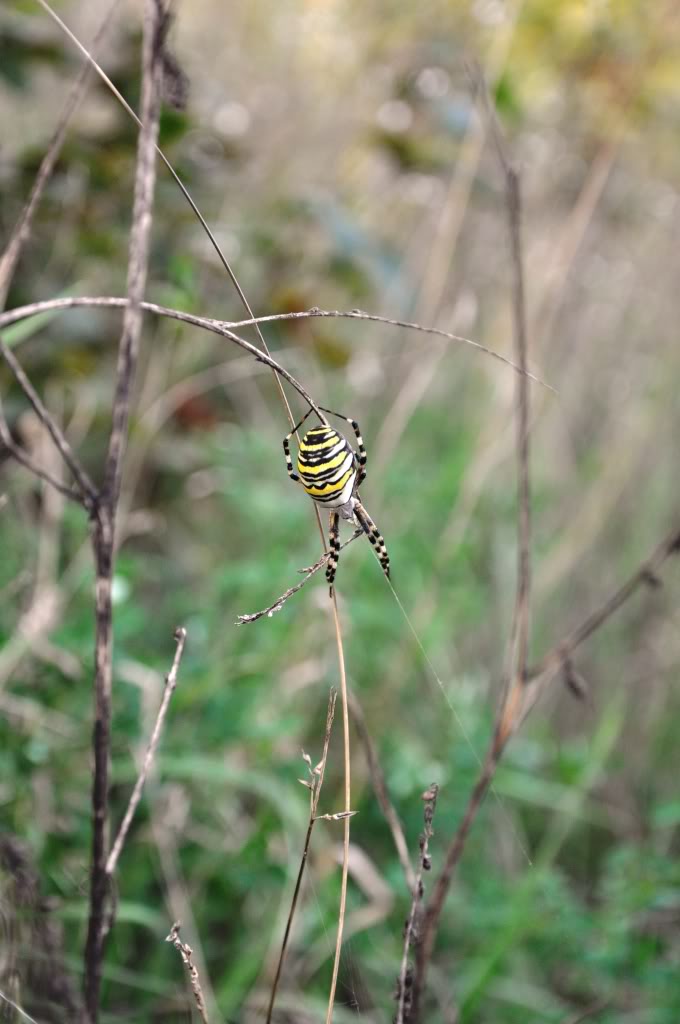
(331, 473)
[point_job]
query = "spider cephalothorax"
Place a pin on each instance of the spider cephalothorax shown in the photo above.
(331, 472)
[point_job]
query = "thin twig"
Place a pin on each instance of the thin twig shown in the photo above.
(170, 685)
(347, 808)
(88, 491)
(317, 775)
(186, 952)
(380, 788)
(103, 533)
(22, 228)
(279, 603)
(645, 575)
(405, 980)
(589, 1011)
(20, 455)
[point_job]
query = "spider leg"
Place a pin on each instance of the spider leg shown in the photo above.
(374, 535)
(333, 548)
(361, 456)
(286, 446)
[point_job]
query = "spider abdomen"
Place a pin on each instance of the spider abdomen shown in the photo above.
(327, 467)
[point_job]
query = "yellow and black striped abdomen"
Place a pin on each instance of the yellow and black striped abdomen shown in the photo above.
(327, 466)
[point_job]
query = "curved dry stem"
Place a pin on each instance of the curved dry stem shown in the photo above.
(207, 323)
(358, 314)
(347, 808)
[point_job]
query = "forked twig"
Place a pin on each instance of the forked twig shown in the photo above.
(25, 460)
(136, 796)
(405, 980)
(186, 952)
(279, 603)
(314, 786)
(87, 490)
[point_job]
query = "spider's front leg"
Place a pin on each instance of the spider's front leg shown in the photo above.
(286, 447)
(333, 549)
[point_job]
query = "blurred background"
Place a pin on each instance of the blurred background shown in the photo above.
(337, 153)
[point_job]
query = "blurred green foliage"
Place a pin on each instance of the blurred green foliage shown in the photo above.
(336, 151)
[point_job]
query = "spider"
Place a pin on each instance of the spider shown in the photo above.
(331, 472)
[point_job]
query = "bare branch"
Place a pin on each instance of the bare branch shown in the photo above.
(20, 455)
(103, 534)
(315, 784)
(186, 952)
(510, 710)
(559, 656)
(279, 603)
(170, 685)
(22, 228)
(405, 980)
(88, 491)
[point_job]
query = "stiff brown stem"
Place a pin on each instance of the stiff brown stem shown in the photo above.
(103, 527)
(405, 980)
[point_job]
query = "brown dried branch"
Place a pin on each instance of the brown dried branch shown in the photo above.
(186, 952)
(316, 782)
(510, 711)
(22, 228)
(405, 980)
(136, 796)
(279, 603)
(103, 533)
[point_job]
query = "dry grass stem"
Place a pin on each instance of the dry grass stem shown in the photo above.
(186, 952)
(170, 685)
(314, 784)
(279, 603)
(347, 808)
(405, 980)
